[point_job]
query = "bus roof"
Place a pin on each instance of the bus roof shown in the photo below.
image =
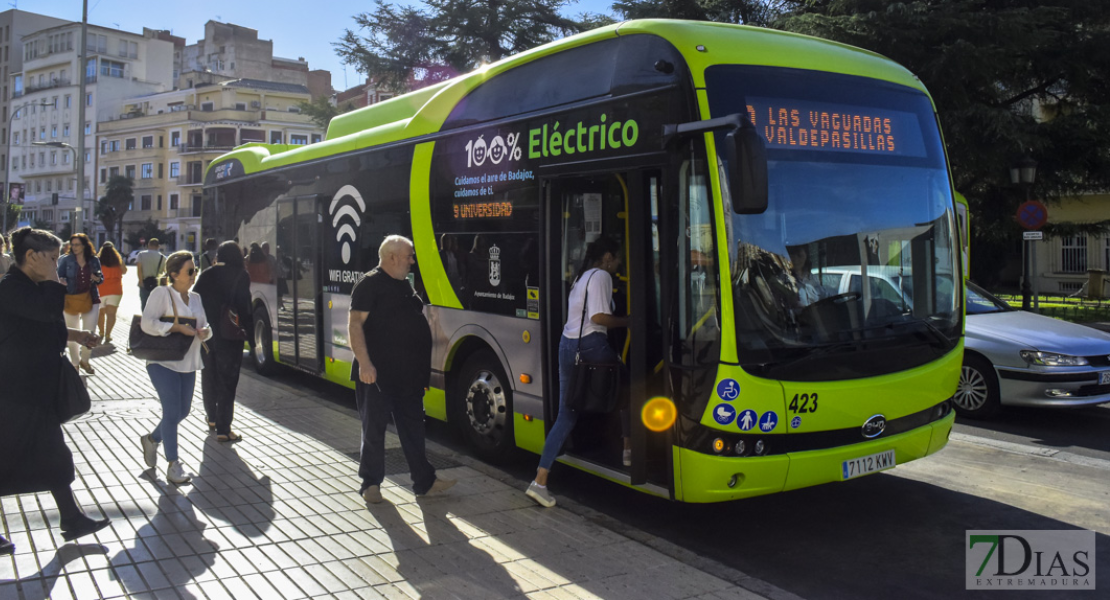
(701, 43)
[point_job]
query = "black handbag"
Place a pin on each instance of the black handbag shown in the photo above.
(160, 348)
(73, 398)
(593, 386)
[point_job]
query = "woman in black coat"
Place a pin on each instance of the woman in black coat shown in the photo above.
(33, 335)
(226, 284)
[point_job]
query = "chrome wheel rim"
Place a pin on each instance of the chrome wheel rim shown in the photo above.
(973, 391)
(486, 404)
(259, 352)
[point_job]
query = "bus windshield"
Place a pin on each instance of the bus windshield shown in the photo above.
(855, 253)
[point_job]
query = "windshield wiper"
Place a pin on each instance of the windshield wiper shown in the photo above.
(937, 334)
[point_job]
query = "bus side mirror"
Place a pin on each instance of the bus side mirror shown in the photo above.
(747, 164)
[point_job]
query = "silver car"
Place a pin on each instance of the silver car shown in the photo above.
(1018, 358)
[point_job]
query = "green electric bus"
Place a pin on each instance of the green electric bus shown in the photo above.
(740, 168)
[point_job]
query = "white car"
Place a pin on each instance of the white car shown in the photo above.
(133, 257)
(1019, 358)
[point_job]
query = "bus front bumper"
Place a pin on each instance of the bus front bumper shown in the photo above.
(707, 478)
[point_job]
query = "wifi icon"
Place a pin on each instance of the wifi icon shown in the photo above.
(343, 215)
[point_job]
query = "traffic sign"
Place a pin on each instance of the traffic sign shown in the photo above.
(1032, 235)
(1032, 215)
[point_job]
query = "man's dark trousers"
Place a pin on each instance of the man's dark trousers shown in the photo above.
(375, 408)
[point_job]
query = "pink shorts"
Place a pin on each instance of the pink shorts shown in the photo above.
(112, 300)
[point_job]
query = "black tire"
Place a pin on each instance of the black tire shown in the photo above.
(483, 406)
(262, 346)
(977, 396)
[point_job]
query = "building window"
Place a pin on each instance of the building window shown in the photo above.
(53, 131)
(240, 106)
(65, 158)
(147, 171)
(88, 99)
(276, 137)
(299, 140)
(148, 141)
(104, 176)
(88, 128)
(129, 144)
(207, 106)
(173, 201)
(113, 172)
(145, 202)
(54, 157)
(175, 138)
(15, 138)
(316, 138)
(65, 130)
(69, 101)
(1073, 254)
(161, 170)
(129, 171)
(175, 169)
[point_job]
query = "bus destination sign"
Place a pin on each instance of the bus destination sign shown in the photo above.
(803, 125)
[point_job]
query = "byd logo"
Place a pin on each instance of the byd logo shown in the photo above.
(1044, 560)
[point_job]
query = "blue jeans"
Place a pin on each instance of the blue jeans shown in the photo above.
(175, 390)
(594, 346)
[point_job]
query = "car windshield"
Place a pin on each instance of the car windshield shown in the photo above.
(858, 191)
(980, 301)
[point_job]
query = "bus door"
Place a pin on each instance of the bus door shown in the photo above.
(298, 287)
(623, 206)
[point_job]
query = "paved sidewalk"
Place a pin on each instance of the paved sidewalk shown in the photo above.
(278, 516)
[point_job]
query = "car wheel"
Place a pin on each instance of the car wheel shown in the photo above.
(977, 396)
(484, 405)
(262, 346)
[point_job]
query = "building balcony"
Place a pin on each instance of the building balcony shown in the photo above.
(56, 83)
(193, 149)
(187, 180)
(186, 213)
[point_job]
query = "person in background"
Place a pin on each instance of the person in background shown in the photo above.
(174, 380)
(257, 265)
(111, 289)
(392, 344)
(33, 452)
(81, 273)
(149, 265)
(208, 257)
(5, 260)
(586, 336)
(224, 285)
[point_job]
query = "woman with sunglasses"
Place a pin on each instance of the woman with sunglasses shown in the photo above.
(174, 380)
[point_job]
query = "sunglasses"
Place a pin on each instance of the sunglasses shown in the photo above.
(191, 272)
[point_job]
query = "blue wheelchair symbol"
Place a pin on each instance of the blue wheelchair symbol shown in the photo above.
(728, 389)
(747, 420)
(768, 421)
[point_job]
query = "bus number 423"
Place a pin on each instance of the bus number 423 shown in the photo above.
(803, 403)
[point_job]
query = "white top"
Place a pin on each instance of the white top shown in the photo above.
(158, 306)
(601, 303)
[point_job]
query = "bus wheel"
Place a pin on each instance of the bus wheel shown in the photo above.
(485, 406)
(977, 397)
(262, 346)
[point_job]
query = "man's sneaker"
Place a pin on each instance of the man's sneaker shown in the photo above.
(372, 494)
(438, 487)
(150, 450)
(175, 473)
(541, 495)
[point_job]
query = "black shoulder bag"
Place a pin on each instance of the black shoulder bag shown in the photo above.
(593, 386)
(151, 282)
(73, 398)
(160, 348)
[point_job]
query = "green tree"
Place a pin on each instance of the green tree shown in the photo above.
(42, 224)
(115, 203)
(322, 111)
(745, 12)
(13, 215)
(1009, 78)
(137, 238)
(406, 47)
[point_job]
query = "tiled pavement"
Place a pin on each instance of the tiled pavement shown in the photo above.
(277, 517)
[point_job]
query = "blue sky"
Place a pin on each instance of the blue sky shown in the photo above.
(297, 28)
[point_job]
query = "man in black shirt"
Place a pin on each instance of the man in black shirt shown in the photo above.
(393, 364)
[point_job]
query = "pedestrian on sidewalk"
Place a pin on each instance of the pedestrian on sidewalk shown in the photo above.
(80, 271)
(33, 452)
(225, 289)
(111, 289)
(392, 344)
(208, 258)
(149, 265)
(174, 380)
(584, 333)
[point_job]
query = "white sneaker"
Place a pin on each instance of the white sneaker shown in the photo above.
(372, 494)
(175, 473)
(150, 450)
(541, 495)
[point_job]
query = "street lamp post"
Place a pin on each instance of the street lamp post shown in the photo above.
(1024, 173)
(8, 166)
(81, 201)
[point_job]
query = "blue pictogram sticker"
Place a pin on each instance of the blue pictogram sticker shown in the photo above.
(796, 422)
(724, 414)
(728, 389)
(768, 421)
(747, 419)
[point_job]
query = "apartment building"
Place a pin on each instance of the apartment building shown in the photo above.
(14, 24)
(45, 95)
(165, 141)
